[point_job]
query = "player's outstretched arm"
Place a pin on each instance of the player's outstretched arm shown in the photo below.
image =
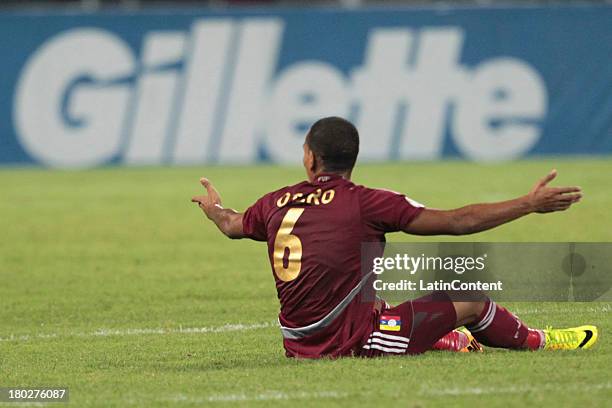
(227, 220)
(480, 217)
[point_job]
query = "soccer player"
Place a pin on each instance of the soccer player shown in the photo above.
(314, 231)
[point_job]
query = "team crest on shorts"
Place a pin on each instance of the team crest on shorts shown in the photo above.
(390, 323)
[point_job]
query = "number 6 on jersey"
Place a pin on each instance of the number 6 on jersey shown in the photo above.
(286, 241)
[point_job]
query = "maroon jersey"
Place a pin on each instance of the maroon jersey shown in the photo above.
(314, 233)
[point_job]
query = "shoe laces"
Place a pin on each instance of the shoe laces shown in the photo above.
(559, 336)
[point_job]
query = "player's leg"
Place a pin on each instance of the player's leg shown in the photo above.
(490, 324)
(433, 320)
(414, 327)
(455, 340)
(410, 328)
(495, 326)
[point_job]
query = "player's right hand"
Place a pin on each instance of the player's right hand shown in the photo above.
(544, 199)
(209, 202)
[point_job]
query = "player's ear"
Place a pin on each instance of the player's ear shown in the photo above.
(309, 159)
(313, 162)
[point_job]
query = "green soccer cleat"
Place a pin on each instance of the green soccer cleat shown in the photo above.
(572, 338)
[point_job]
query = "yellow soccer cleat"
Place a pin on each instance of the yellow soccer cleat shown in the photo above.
(473, 345)
(572, 338)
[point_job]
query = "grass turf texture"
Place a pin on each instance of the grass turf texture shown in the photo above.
(104, 272)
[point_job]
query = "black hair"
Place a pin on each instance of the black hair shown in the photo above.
(335, 143)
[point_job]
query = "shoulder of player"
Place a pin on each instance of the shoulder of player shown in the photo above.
(378, 194)
(373, 190)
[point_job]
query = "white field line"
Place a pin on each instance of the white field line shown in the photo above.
(425, 392)
(607, 308)
(237, 327)
(265, 396)
(515, 389)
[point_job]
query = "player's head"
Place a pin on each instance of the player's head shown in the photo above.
(331, 146)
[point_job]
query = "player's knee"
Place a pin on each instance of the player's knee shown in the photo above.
(477, 308)
(468, 305)
(468, 312)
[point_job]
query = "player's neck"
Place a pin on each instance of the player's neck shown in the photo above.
(345, 174)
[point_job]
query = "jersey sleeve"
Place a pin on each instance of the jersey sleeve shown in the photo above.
(388, 211)
(254, 221)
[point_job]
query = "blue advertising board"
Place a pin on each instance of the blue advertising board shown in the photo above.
(200, 86)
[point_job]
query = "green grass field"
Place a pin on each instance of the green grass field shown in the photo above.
(114, 285)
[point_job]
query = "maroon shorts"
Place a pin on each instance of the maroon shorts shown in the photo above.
(412, 327)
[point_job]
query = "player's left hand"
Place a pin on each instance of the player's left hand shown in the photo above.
(545, 199)
(208, 203)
